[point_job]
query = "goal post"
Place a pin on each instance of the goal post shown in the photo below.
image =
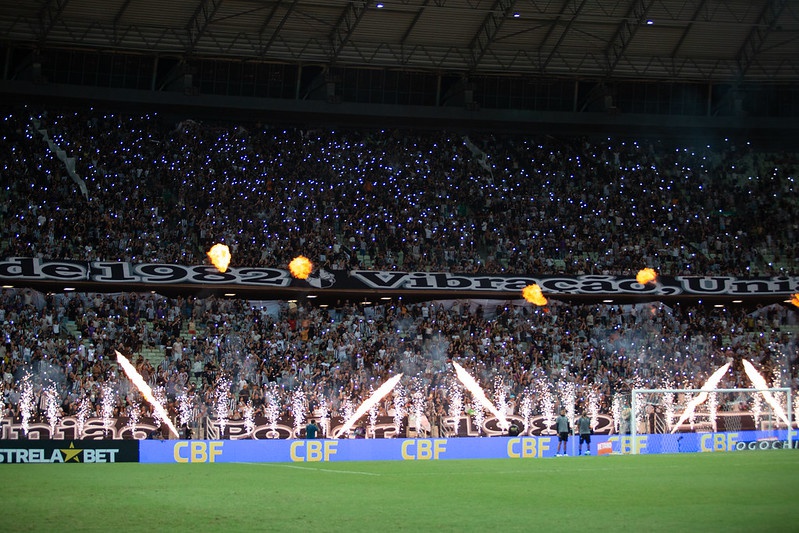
(680, 420)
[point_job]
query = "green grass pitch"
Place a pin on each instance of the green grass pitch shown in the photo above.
(722, 491)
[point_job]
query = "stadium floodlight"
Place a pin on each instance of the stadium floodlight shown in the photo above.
(675, 412)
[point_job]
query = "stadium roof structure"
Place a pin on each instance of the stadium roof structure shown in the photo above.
(678, 40)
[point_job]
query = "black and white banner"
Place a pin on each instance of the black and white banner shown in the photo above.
(110, 275)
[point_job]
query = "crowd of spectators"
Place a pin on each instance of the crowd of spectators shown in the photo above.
(340, 353)
(157, 191)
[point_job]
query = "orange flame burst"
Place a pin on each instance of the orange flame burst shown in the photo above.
(219, 254)
(646, 275)
(532, 293)
(300, 267)
(795, 299)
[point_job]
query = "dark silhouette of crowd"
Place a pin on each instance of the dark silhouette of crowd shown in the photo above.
(383, 199)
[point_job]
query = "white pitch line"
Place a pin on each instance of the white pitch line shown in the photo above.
(516, 472)
(356, 472)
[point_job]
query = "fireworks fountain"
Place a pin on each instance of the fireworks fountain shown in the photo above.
(776, 381)
(324, 416)
(185, 407)
(711, 383)
(668, 405)
(688, 398)
(399, 407)
(796, 409)
(712, 409)
(272, 407)
(526, 409)
(568, 398)
(501, 396)
(418, 404)
(640, 399)
(546, 402)
(159, 393)
(145, 390)
(84, 407)
(133, 418)
(52, 407)
(347, 409)
(593, 406)
(26, 403)
(108, 403)
(249, 422)
(479, 396)
(372, 414)
(757, 409)
(616, 408)
(478, 414)
(370, 402)
(298, 409)
(455, 392)
(222, 403)
(760, 383)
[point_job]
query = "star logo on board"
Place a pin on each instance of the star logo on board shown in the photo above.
(71, 453)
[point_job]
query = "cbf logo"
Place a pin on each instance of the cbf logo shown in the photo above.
(313, 450)
(197, 451)
(423, 449)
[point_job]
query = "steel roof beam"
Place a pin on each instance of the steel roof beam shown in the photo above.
(200, 21)
(412, 25)
(687, 29)
(117, 19)
(563, 33)
(120, 12)
(555, 21)
(636, 16)
(488, 30)
(753, 44)
(345, 27)
(49, 15)
(269, 17)
(265, 48)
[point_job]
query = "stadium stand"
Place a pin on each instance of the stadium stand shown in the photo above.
(119, 147)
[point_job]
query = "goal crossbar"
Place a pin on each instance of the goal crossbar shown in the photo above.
(634, 405)
(666, 391)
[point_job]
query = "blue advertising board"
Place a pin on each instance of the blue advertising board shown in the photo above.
(266, 451)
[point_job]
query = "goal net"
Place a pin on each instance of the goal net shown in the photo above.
(694, 420)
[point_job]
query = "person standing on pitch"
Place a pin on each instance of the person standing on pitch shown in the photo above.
(584, 428)
(311, 430)
(563, 428)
